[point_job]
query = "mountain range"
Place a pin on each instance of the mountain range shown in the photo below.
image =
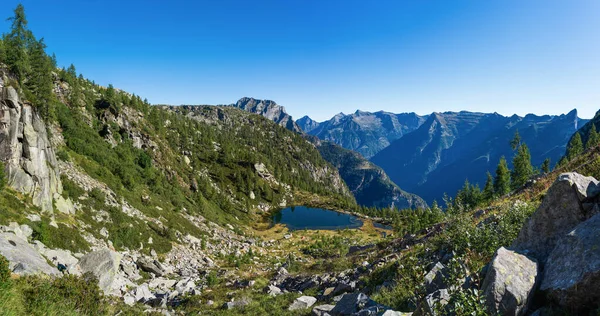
(414, 152)
(450, 147)
(369, 184)
(364, 132)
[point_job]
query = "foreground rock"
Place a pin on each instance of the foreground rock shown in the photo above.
(560, 211)
(236, 304)
(303, 302)
(435, 279)
(23, 258)
(104, 265)
(358, 304)
(433, 303)
(322, 310)
(572, 274)
(150, 265)
(509, 283)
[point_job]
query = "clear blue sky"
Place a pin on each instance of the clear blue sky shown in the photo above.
(323, 57)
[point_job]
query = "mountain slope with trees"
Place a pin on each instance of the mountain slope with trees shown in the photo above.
(368, 183)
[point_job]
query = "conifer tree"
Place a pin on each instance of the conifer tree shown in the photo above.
(522, 168)
(546, 165)
(593, 138)
(502, 180)
(15, 43)
(575, 146)
(562, 162)
(516, 141)
(488, 190)
(39, 77)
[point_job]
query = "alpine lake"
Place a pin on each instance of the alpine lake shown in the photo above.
(306, 218)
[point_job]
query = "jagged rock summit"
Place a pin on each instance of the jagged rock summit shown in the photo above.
(268, 109)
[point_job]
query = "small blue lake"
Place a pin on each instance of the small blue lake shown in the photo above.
(301, 217)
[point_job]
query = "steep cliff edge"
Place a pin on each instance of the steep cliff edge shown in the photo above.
(28, 157)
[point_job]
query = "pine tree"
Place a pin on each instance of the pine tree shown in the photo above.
(516, 141)
(522, 168)
(2, 52)
(575, 146)
(488, 190)
(502, 180)
(562, 162)
(16, 42)
(39, 78)
(546, 165)
(593, 138)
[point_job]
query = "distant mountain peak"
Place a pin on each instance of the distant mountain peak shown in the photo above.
(307, 124)
(269, 109)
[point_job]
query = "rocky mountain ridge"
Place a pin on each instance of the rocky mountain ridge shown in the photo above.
(464, 145)
(364, 132)
(268, 109)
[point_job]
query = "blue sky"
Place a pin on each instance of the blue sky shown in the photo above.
(323, 57)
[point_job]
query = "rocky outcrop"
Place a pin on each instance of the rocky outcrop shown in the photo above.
(356, 304)
(270, 110)
(23, 258)
(150, 265)
(509, 283)
(563, 236)
(434, 303)
(561, 210)
(104, 265)
(29, 159)
(435, 279)
(572, 274)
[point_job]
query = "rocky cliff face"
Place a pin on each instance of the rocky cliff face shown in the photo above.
(268, 109)
(29, 159)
